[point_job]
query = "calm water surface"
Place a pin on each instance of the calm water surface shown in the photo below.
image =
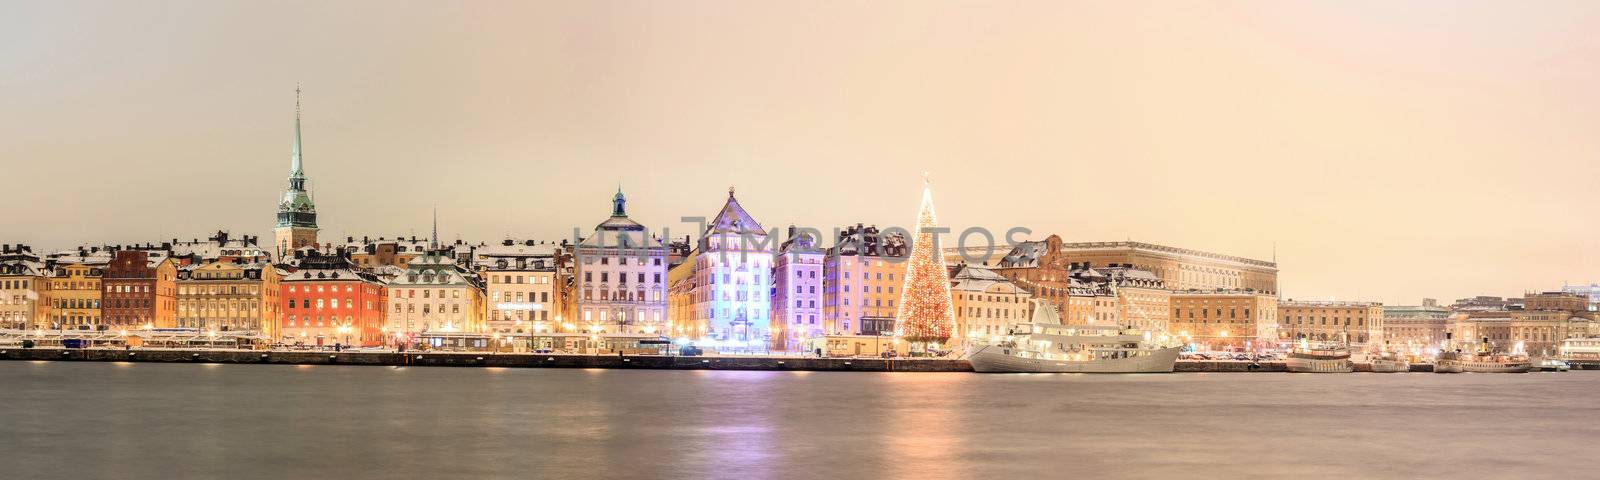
(122, 420)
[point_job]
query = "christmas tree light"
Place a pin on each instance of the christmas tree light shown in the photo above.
(926, 314)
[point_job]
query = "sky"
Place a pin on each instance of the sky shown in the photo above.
(1380, 150)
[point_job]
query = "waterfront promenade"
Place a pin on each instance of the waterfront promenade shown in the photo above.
(527, 360)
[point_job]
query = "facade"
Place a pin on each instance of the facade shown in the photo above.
(296, 227)
(435, 295)
(225, 296)
(73, 291)
(862, 274)
(524, 286)
(620, 279)
(728, 282)
(327, 301)
(22, 282)
(1415, 328)
(1179, 269)
(139, 290)
(797, 291)
(1225, 320)
(1359, 323)
(985, 303)
(1590, 291)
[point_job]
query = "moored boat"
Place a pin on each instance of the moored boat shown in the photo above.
(1054, 348)
(1390, 363)
(1319, 359)
(1549, 364)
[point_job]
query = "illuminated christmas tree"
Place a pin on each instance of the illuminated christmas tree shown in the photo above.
(926, 314)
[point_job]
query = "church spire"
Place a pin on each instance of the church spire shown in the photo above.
(294, 160)
(435, 237)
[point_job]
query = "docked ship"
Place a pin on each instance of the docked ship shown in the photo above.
(1056, 348)
(1319, 359)
(1461, 362)
(1390, 363)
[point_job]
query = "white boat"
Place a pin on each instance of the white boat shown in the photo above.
(1390, 363)
(1054, 348)
(1551, 364)
(1320, 359)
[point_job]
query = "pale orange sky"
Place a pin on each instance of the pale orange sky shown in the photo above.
(1391, 150)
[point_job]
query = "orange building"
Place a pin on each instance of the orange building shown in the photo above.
(140, 289)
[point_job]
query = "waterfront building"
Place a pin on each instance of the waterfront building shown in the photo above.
(524, 286)
(230, 296)
(21, 283)
(985, 303)
(727, 279)
(1359, 323)
(327, 300)
(1415, 328)
(1178, 268)
(296, 227)
(862, 274)
(1225, 319)
(72, 290)
(435, 294)
(620, 276)
(139, 289)
(797, 291)
(1109, 295)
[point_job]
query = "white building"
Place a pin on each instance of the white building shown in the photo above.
(797, 292)
(620, 279)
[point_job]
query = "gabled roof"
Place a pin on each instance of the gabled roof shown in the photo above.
(733, 219)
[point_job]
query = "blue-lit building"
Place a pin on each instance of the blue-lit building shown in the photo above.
(723, 287)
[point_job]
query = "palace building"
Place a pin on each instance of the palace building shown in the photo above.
(620, 277)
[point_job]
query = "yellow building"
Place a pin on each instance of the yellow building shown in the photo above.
(21, 287)
(1225, 320)
(231, 297)
(985, 303)
(73, 292)
(1359, 323)
(523, 285)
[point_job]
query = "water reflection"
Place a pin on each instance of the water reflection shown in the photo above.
(268, 421)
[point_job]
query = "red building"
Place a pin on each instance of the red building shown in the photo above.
(328, 302)
(140, 289)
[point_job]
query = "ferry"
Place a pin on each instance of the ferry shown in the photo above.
(1056, 348)
(1390, 363)
(1319, 359)
(1456, 362)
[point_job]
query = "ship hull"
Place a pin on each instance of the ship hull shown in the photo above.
(1319, 365)
(1447, 366)
(1496, 367)
(991, 359)
(1390, 366)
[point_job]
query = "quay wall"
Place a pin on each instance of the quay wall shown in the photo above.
(526, 360)
(522, 360)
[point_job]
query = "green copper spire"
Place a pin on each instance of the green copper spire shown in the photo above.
(295, 209)
(294, 159)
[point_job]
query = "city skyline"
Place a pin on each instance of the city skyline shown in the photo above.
(203, 149)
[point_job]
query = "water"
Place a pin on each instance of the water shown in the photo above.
(123, 420)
